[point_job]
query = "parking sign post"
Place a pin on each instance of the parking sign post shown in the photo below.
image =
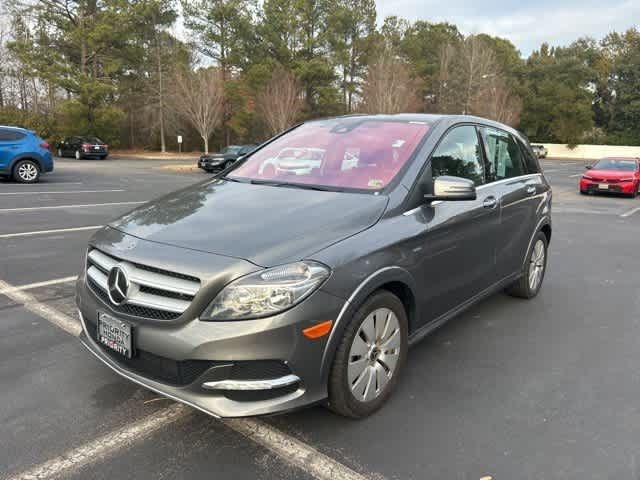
(180, 143)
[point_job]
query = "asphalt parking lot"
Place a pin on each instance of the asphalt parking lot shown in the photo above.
(511, 389)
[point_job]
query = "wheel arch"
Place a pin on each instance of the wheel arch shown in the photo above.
(396, 280)
(26, 156)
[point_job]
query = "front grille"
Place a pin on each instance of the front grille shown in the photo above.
(259, 370)
(153, 366)
(153, 293)
(133, 310)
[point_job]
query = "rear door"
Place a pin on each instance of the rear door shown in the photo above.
(460, 236)
(518, 188)
(9, 146)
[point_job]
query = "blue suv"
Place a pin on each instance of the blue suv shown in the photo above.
(23, 155)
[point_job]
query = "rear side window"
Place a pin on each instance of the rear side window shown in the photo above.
(504, 156)
(459, 155)
(10, 135)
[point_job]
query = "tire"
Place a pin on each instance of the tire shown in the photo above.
(584, 192)
(77, 155)
(102, 157)
(227, 164)
(526, 286)
(350, 390)
(26, 171)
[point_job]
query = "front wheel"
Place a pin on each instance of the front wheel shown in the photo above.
(529, 284)
(370, 357)
(26, 171)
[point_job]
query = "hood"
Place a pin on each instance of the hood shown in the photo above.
(266, 225)
(608, 174)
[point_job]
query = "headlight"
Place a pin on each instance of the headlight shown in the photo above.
(267, 292)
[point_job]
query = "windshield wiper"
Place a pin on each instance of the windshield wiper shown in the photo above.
(231, 179)
(303, 186)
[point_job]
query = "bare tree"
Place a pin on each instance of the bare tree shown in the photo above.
(280, 102)
(478, 64)
(389, 86)
(498, 102)
(198, 98)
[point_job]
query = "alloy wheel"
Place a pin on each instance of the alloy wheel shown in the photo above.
(536, 265)
(374, 354)
(28, 172)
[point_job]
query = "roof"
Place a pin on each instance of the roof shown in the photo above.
(18, 129)
(431, 118)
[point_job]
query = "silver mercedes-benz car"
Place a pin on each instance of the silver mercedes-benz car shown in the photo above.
(264, 290)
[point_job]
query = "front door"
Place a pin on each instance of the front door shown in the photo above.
(459, 236)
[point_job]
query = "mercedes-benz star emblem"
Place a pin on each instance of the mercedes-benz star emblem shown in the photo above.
(118, 285)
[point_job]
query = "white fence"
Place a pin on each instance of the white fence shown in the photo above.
(557, 150)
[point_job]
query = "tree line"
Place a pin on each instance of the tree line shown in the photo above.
(239, 71)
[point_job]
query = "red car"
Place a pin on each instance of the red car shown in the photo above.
(614, 175)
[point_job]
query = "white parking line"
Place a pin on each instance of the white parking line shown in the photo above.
(630, 212)
(31, 286)
(107, 444)
(575, 175)
(60, 191)
(27, 209)
(47, 232)
(46, 184)
(292, 450)
(29, 302)
(288, 448)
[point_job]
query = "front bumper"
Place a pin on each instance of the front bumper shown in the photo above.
(223, 363)
(211, 163)
(591, 186)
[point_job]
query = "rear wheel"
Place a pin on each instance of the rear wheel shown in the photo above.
(26, 171)
(529, 284)
(369, 357)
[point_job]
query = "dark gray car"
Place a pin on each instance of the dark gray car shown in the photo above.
(263, 291)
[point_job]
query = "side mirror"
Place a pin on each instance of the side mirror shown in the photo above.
(588, 167)
(448, 188)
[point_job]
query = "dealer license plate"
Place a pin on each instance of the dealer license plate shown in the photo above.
(603, 186)
(115, 334)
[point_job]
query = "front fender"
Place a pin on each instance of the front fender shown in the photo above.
(369, 285)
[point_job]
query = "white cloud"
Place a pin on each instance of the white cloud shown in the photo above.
(526, 25)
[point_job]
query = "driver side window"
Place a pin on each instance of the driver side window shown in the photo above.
(459, 155)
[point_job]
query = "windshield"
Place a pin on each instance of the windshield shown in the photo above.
(616, 164)
(94, 140)
(344, 153)
(231, 149)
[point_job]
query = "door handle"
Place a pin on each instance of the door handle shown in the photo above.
(531, 189)
(490, 202)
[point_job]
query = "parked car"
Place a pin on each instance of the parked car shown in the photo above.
(24, 156)
(220, 161)
(612, 175)
(257, 293)
(83, 147)
(539, 150)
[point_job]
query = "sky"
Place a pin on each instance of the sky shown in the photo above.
(527, 24)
